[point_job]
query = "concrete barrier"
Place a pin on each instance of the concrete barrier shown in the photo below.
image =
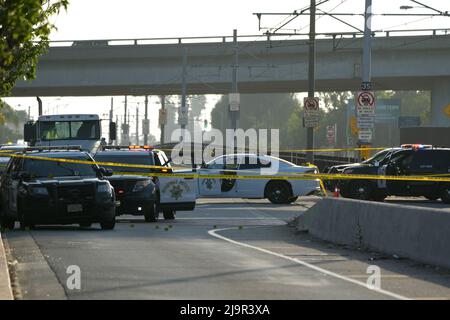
(421, 234)
(5, 283)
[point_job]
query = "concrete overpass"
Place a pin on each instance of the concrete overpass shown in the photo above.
(85, 68)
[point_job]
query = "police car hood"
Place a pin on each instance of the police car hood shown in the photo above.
(341, 167)
(362, 168)
(62, 181)
(120, 177)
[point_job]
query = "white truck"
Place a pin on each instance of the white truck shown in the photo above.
(68, 129)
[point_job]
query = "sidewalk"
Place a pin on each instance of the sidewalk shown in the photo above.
(5, 284)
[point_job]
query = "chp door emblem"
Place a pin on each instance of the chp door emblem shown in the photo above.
(176, 192)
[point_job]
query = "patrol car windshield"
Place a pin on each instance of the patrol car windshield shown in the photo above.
(377, 157)
(143, 158)
(49, 169)
(69, 130)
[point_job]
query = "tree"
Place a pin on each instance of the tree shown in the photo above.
(24, 36)
(259, 111)
(10, 120)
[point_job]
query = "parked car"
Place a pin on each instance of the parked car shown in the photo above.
(35, 191)
(277, 191)
(410, 160)
(4, 151)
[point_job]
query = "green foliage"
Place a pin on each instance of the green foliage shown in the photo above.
(24, 36)
(259, 111)
(10, 120)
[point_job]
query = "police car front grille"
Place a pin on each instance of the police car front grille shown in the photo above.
(79, 192)
(125, 185)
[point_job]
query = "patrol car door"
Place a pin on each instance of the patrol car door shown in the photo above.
(397, 166)
(11, 184)
(207, 185)
(250, 166)
(176, 192)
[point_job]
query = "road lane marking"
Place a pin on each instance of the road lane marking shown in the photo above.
(213, 233)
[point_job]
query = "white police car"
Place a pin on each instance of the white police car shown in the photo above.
(277, 191)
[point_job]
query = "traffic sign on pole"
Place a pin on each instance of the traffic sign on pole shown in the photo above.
(311, 111)
(235, 101)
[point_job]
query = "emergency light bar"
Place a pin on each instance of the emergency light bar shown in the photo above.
(52, 148)
(416, 146)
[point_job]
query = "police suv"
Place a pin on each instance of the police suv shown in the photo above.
(38, 190)
(409, 160)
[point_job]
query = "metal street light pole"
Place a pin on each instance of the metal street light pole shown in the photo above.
(311, 75)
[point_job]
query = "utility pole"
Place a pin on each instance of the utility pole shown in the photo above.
(184, 111)
(137, 126)
(366, 84)
(234, 115)
(311, 75)
(367, 48)
(125, 139)
(145, 126)
(111, 116)
(117, 122)
(162, 123)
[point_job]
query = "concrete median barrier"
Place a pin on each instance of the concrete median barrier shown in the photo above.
(421, 234)
(5, 284)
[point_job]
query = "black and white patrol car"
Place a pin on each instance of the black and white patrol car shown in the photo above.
(38, 190)
(139, 186)
(409, 160)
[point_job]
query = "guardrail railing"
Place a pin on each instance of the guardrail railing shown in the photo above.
(229, 38)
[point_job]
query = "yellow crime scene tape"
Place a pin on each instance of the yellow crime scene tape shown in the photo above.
(305, 150)
(279, 176)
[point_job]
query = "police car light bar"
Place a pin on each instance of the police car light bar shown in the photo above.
(416, 146)
(53, 148)
(140, 147)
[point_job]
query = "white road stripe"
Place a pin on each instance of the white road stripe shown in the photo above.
(213, 233)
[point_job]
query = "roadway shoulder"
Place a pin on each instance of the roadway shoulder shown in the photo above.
(5, 283)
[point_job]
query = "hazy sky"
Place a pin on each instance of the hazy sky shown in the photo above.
(114, 19)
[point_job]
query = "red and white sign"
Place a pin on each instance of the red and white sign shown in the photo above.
(331, 135)
(311, 111)
(365, 103)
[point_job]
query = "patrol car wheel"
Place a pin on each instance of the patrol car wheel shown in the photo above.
(7, 223)
(150, 213)
(169, 214)
(108, 224)
(360, 191)
(432, 197)
(445, 194)
(278, 192)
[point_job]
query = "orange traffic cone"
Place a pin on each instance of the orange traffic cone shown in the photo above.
(336, 192)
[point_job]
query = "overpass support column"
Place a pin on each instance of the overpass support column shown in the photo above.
(440, 103)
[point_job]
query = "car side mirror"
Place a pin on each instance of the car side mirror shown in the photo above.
(23, 175)
(105, 172)
(376, 164)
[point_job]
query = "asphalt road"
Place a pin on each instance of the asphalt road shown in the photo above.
(225, 249)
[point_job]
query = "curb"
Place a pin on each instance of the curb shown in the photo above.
(5, 283)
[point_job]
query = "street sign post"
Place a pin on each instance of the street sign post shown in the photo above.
(447, 110)
(183, 116)
(331, 134)
(162, 117)
(365, 113)
(311, 111)
(235, 101)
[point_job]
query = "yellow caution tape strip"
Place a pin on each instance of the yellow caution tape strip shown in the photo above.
(279, 176)
(290, 177)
